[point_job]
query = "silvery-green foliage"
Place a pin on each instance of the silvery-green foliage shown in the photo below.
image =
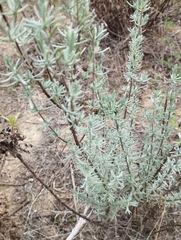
(120, 169)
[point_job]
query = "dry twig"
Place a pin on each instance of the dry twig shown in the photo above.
(80, 224)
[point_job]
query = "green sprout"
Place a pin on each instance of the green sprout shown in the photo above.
(12, 120)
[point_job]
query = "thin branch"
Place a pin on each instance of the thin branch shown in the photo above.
(19, 156)
(122, 146)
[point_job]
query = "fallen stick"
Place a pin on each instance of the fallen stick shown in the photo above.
(80, 224)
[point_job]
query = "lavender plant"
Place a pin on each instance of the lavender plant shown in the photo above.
(119, 168)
